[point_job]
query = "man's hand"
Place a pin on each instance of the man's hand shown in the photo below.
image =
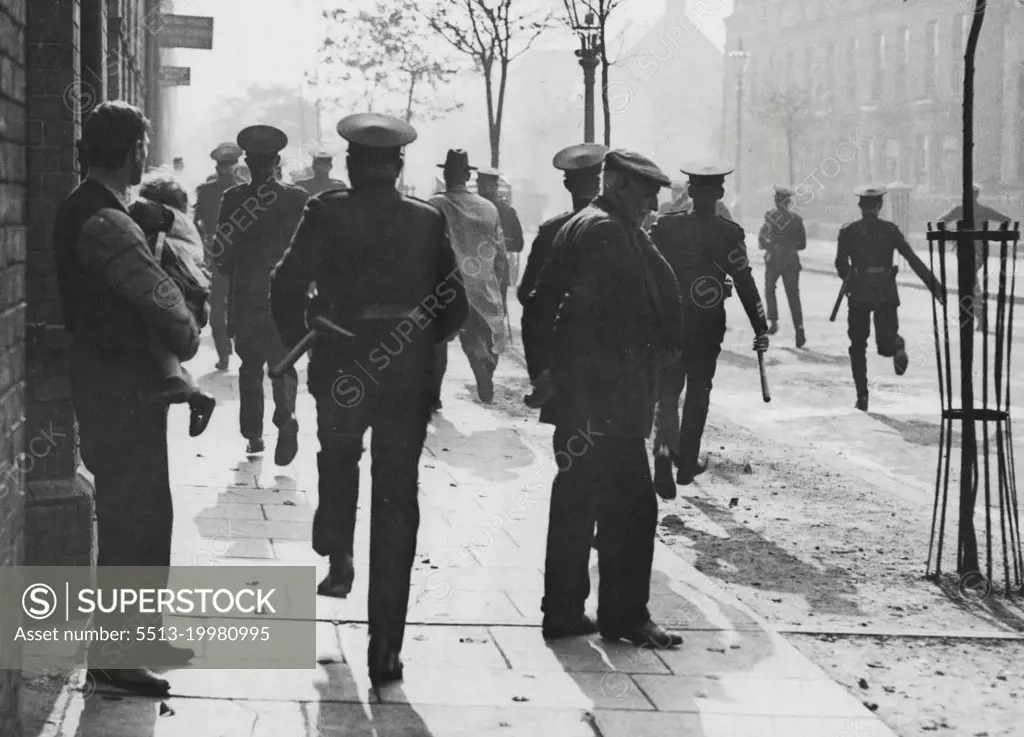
(761, 342)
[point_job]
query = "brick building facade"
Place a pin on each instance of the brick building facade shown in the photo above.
(879, 85)
(58, 58)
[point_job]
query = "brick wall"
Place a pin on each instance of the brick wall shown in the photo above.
(12, 312)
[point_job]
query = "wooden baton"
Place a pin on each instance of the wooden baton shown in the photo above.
(839, 299)
(764, 377)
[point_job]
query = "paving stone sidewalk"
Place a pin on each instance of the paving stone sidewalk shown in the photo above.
(476, 663)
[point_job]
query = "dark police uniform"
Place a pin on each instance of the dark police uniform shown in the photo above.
(208, 197)
(782, 237)
(320, 182)
(255, 225)
(383, 266)
(702, 251)
(597, 324)
(511, 228)
(582, 166)
(865, 254)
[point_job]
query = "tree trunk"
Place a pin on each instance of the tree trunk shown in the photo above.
(496, 128)
(413, 79)
(968, 546)
(491, 122)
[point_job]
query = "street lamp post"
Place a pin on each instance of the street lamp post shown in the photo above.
(589, 55)
(740, 60)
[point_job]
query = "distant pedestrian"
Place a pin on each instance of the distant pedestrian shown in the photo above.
(487, 183)
(321, 180)
(782, 237)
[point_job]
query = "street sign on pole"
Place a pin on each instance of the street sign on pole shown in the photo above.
(175, 76)
(186, 32)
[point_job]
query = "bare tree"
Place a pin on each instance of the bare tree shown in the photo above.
(601, 10)
(492, 33)
(791, 109)
(381, 57)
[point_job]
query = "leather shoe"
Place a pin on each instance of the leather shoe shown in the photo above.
(555, 627)
(773, 327)
(287, 448)
(862, 402)
(900, 362)
(689, 471)
(338, 581)
(801, 339)
(664, 485)
(222, 364)
(201, 406)
(140, 681)
(385, 662)
(255, 446)
(647, 634)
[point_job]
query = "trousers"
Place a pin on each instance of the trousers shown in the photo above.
(791, 283)
(694, 372)
(399, 428)
(602, 478)
(219, 286)
(478, 345)
(258, 345)
(887, 338)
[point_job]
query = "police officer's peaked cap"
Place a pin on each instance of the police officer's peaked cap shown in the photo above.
(976, 187)
(262, 140)
(374, 130)
(708, 173)
(321, 153)
(488, 172)
(226, 152)
(636, 164)
(871, 191)
(784, 191)
(580, 156)
(456, 159)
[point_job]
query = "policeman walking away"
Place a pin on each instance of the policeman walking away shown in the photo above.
(383, 265)
(254, 227)
(782, 237)
(703, 249)
(208, 196)
(864, 263)
(487, 187)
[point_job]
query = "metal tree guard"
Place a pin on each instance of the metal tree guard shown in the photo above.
(994, 413)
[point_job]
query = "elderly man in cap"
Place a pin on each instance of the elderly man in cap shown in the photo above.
(703, 249)
(474, 231)
(605, 313)
(864, 262)
(782, 237)
(487, 181)
(208, 197)
(384, 267)
(254, 227)
(582, 166)
(982, 214)
(321, 181)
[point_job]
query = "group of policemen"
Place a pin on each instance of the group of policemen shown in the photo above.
(621, 316)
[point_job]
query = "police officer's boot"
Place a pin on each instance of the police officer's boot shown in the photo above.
(773, 327)
(664, 484)
(859, 365)
(801, 339)
(900, 362)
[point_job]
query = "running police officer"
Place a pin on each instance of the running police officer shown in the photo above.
(864, 263)
(703, 248)
(782, 237)
(208, 196)
(255, 225)
(385, 270)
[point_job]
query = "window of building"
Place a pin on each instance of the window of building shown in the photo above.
(922, 161)
(892, 160)
(931, 55)
(878, 68)
(902, 59)
(851, 70)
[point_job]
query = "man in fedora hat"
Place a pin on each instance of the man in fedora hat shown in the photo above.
(703, 249)
(605, 312)
(487, 183)
(208, 197)
(321, 181)
(474, 230)
(255, 225)
(864, 254)
(384, 269)
(782, 237)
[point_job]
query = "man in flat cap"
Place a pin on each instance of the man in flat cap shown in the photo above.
(254, 227)
(208, 197)
(386, 272)
(782, 237)
(605, 314)
(703, 249)
(582, 166)
(487, 185)
(982, 214)
(321, 181)
(865, 254)
(474, 231)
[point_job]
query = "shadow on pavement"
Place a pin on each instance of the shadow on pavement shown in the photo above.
(917, 432)
(809, 355)
(493, 455)
(748, 559)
